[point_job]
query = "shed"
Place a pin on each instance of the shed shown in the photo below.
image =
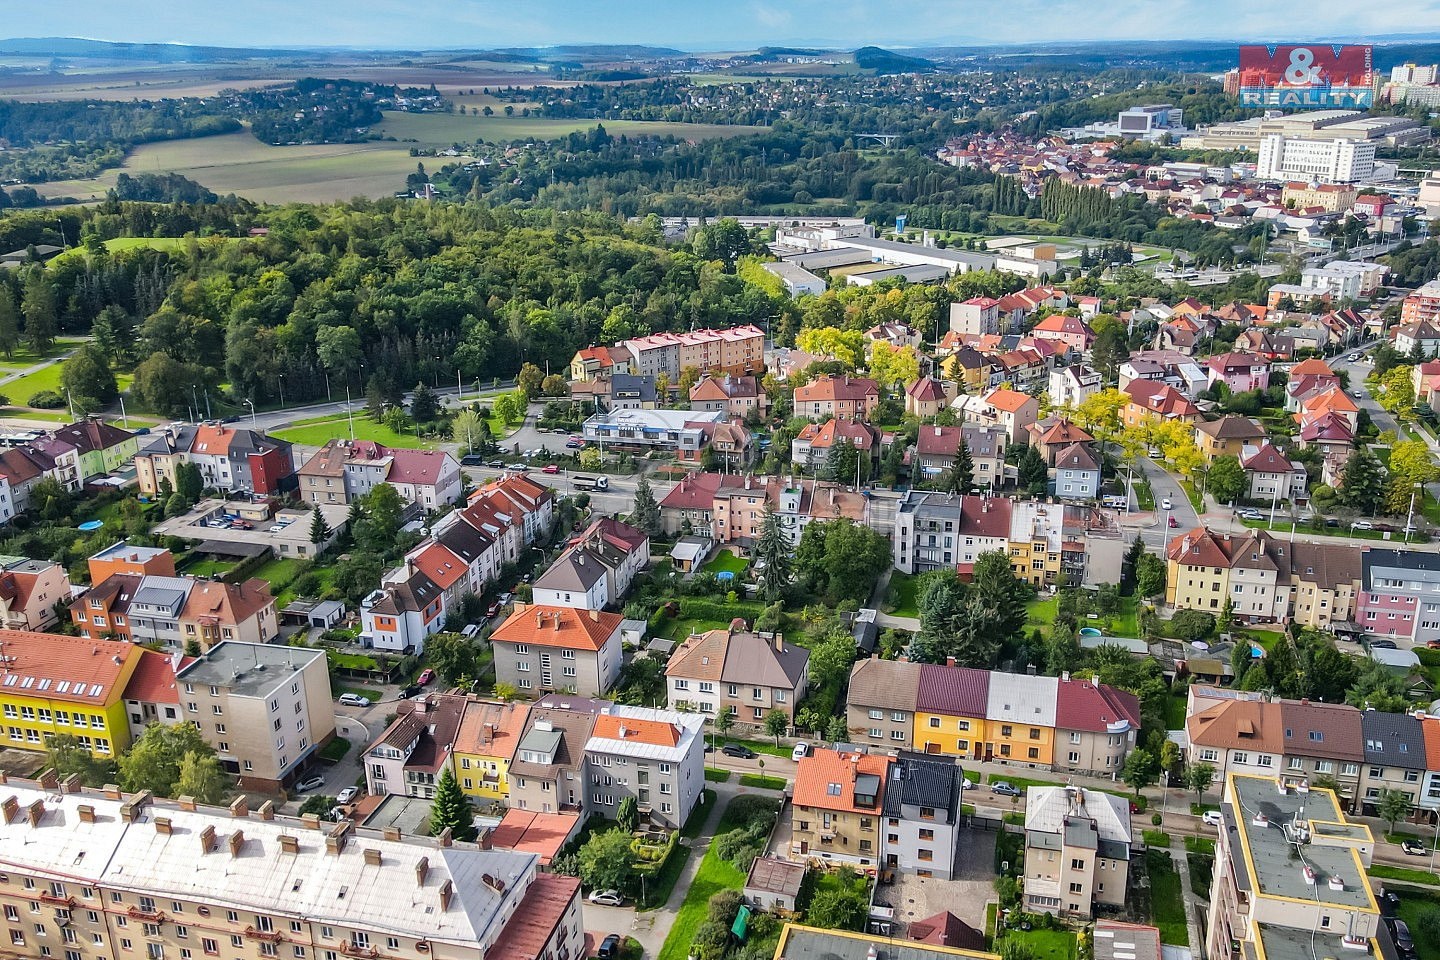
(690, 552)
(773, 883)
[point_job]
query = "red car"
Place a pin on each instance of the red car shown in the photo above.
(426, 676)
(550, 468)
(493, 609)
(1174, 522)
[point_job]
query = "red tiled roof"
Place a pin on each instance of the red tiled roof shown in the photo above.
(1084, 705)
(543, 907)
(820, 774)
(547, 626)
(1010, 401)
(154, 678)
(631, 729)
(440, 565)
(829, 389)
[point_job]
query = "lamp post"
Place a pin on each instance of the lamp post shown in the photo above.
(251, 404)
(282, 389)
(1410, 515)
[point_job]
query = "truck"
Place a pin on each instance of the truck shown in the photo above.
(584, 482)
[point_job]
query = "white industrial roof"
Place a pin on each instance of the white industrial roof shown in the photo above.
(1015, 698)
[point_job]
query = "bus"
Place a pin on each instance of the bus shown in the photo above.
(583, 482)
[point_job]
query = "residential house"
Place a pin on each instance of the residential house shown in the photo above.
(1096, 726)
(1272, 476)
(1077, 851)
(549, 771)
(654, 756)
(1077, 473)
(1073, 385)
(740, 397)
(101, 448)
(30, 591)
(630, 391)
(345, 470)
(922, 816)
(773, 884)
(1306, 379)
(937, 531)
(1239, 371)
(978, 316)
(230, 458)
(950, 705)
(1398, 594)
(681, 433)
(551, 648)
(845, 398)
(485, 746)
(1020, 719)
(1324, 741)
(1266, 343)
(691, 501)
(1227, 437)
(936, 449)
(739, 506)
(747, 674)
(598, 363)
(1423, 335)
(927, 396)
(880, 706)
(596, 570)
(969, 367)
(1054, 434)
(1150, 401)
(1394, 757)
(1329, 400)
(22, 468)
(1327, 581)
(896, 334)
(1073, 332)
(813, 444)
(1252, 570)
(1009, 410)
(122, 557)
(838, 805)
(1246, 736)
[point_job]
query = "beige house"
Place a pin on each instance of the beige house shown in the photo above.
(1226, 436)
(838, 807)
(1077, 850)
(540, 649)
(743, 673)
(265, 709)
(880, 708)
(1096, 725)
(1252, 570)
(547, 774)
(131, 876)
(737, 396)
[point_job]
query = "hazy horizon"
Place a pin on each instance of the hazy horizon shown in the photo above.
(700, 27)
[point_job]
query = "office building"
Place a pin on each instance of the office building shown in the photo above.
(1328, 161)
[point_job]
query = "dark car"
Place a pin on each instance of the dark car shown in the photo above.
(409, 691)
(609, 948)
(1383, 645)
(735, 750)
(1401, 933)
(472, 460)
(1413, 847)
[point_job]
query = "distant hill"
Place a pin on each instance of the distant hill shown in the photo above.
(594, 52)
(886, 61)
(149, 52)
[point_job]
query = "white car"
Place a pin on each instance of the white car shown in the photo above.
(801, 751)
(1165, 504)
(606, 898)
(354, 700)
(1213, 818)
(348, 794)
(1363, 525)
(314, 783)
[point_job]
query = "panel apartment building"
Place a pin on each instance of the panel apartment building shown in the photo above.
(105, 876)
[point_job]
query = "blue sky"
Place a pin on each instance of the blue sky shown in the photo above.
(708, 24)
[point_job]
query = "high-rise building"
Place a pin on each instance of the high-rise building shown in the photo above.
(1325, 160)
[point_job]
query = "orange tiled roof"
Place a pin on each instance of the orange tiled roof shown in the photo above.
(547, 626)
(1008, 400)
(826, 778)
(631, 729)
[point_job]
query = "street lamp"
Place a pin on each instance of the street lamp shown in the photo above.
(282, 390)
(1410, 516)
(251, 404)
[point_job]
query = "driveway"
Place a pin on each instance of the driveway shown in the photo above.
(918, 898)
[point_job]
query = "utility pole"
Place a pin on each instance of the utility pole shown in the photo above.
(349, 413)
(123, 417)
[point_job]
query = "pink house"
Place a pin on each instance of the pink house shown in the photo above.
(1240, 371)
(1386, 614)
(1071, 331)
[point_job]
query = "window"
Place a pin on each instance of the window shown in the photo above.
(935, 723)
(877, 714)
(1076, 888)
(1077, 864)
(209, 946)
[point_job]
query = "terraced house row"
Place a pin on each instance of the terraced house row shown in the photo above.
(1066, 724)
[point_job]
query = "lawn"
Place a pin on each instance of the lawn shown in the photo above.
(366, 692)
(1023, 783)
(1045, 944)
(317, 434)
(444, 129)
(1283, 524)
(21, 389)
(907, 594)
(281, 569)
(1041, 613)
(713, 876)
(203, 566)
(716, 775)
(1413, 904)
(759, 746)
(762, 782)
(1175, 712)
(1167, 901)
(727, 561)
(1403, 873)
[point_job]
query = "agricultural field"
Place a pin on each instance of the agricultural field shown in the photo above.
(444, 129)
(316, 432)
(238, 163)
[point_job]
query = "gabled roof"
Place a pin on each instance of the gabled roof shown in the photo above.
(1063, 433)
(1236, 361)
(825, 435)
(884, 684)
(1159, 397)
(491, 729)
(565, 627)
(1077, 456)
(92, 434)
(154, 678)
(926, 389)
(441, 565)
(1393, 739)
(826, 780)
(939, 441)
(1330, 730)
(1266, 459)
(694, 491)
(831, 389)
(227, 603)
(741, 657)
(1009, 401)
(953, 691)
(1239, 725)
(1230, 428)
(1096, 707)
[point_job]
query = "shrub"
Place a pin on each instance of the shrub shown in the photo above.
(724, 906)
(46, 400)
(1155, 819)
(1191, 625)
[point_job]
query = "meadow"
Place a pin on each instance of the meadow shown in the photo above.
(444, 129)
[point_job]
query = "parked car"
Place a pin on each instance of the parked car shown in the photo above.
(1383, 645)
(1432, 644)
(348, 794)
(1174, 522)
(1413, 847)
(1005, 789)
(966, 784)
(496, 464)
(493, 609)
(426, 676)
(574, 443)
(550, 468)
(1401, 933)
(736, 750)
(1363, 525)
(472, 460)
(801, 751)
(314, 783)
(354, 700)
(606, 898)
(609, 948)
(409, 691)
(1213, 818)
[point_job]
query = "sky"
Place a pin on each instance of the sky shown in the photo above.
(718, 25)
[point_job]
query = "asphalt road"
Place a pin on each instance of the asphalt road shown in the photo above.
(1157, 532)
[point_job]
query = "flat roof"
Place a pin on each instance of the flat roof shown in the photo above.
(809, 943)
(247, 669)
(1291, 943)
(1270, 854)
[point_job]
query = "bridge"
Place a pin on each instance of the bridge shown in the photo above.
(885, 138)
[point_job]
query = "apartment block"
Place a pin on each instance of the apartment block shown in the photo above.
(166, 880)
(548, 774)
(1253, 570)
(412, 753)
(937, 531)
(485, 746)
(51, 684)
(1077, 850)
(539, 649)
(739, 672)
(229, 458)
(737, 350)
(922, 816)
(655, 756)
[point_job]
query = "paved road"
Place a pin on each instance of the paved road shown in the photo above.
(1154, 528)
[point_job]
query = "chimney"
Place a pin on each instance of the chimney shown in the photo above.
(335, 841)
(130, 811)
(483, 840)
(445, 839)
(372, 857)
(422, 870)
(35, 813)
(49, 779)
(86, 812)
(311, 821)
(112, 792)
(239, 809)
(779, 643)
(267, 810)
(162, 825)
(236, 842)
(207, 839)
(595, 616)
(447, 889)
(391, 833)
(186, 803)
(289, 843)
(72, 784)
(949, 661)
(11, 808)
(539, 619)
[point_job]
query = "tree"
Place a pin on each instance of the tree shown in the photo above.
(69, 758)
(470, 431)
(842, 909)
(319, 805)
(962, 472)
(1169, 758)
(1392, 805)
(1130, 565)
(1034, 475)
(1142, 768)
(646, 514)
(628, 815)
(997, 587)
(840, 462)
(1150, 576)
(554, 385)
(891, 366)
(39, 310)
(607, 861)
(776, 723)
(154, 761)
(453, 656)
(1227, 483)
(1409, 465)
(853, 559)
(530, 379)
(88, 379)
(201, 777)
(510, 407)
(165, 385)
(9, 322)
(424, 404)
(724, 240)
(1192, 625)
(189, 482)
(1198, 777)
(1226, 621)
(1361, 483)
(772, 552)
(836, 730)
(319, 529)
(689, 377)
(382, 509)
(113, 329)
(451, 810)
(723, 723)
(1109, 351)
(662, 388)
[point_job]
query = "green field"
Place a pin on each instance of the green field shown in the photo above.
(444, 129)
(316, 433)
(727, 561)
(21, 389)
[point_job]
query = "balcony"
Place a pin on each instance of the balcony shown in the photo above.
(268, 936)
(66, 902)
(147, 916)
(349, 949)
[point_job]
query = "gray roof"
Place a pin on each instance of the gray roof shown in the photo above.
(1393, 739)
(773, 875)
(579, 570)
(1051, 810)
(634, 386)
(751, 658)
(917, 780)
(247, 669)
